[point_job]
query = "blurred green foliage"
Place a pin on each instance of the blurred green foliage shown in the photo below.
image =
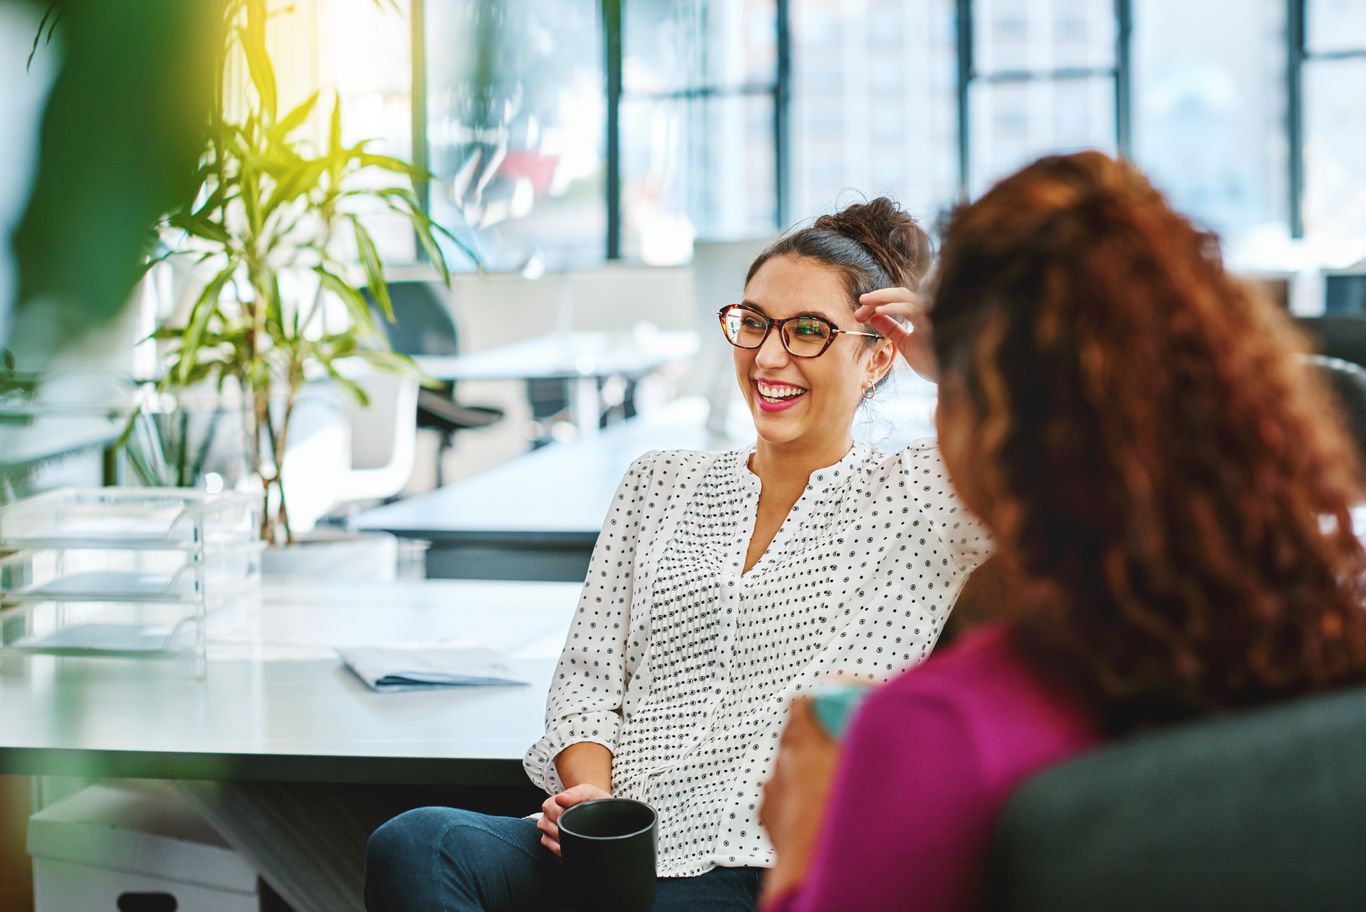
(121, 134)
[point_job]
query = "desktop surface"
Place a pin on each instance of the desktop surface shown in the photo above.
(278, 704)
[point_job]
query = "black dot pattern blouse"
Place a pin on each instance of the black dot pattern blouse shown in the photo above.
(682, 666)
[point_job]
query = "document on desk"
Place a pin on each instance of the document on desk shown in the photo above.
(388, 669)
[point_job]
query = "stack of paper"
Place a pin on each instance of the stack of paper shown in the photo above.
(393, 668)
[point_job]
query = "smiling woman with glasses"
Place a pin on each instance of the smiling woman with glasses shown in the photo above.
(724, 583)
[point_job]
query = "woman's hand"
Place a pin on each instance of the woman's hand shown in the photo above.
(794, 796)
(555, 805)
(885, 309)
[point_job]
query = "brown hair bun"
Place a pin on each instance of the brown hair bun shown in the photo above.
(872, 245)
(886, 231)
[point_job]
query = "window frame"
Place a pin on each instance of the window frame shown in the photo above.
(1119, 73)
(778, 90)
(610, 23)
(1298, 57)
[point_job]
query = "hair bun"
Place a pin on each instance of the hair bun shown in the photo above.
(893, 238)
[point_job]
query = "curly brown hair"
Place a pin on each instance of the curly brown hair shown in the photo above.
(1165, 480)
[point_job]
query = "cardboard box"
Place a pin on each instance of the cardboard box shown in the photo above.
(130, 847)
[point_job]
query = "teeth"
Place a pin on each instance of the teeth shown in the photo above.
(778, 392)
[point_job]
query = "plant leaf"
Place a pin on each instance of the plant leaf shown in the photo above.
(395, 363)
(389, 163)
(355, 302)
(295, 118)
(201, 227)
(253, 40)
(205, 306)
(334, 133)
(374, 271)
(355, 389)
(298, 180)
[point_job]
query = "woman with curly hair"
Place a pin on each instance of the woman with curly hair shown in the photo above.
(1167, 488)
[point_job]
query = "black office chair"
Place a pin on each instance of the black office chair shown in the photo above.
(1348, 381)
(424, 326)
(1344, 292)
(1337, 336)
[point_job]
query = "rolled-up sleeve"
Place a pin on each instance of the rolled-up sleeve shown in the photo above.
(586, 692)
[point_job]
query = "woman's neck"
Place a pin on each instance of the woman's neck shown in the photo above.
(789, 464)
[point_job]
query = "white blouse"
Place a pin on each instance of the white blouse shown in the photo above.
(682, 665)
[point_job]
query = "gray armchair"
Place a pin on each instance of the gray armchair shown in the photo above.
(1257, 811)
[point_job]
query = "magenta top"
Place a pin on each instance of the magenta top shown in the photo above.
(927, 766)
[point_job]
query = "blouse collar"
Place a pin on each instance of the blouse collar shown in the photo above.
(820, 479)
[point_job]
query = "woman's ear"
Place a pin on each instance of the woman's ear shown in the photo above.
(883, 357)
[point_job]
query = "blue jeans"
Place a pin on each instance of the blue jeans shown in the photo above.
(438, 859)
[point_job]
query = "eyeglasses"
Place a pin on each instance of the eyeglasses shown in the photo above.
(805, 336)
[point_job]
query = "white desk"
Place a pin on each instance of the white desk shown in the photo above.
(538, 516)
(580, 359)
(277, 704)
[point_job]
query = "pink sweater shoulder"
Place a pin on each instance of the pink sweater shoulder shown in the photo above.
(926, 768)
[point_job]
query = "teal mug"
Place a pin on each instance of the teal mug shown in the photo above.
(835, 704)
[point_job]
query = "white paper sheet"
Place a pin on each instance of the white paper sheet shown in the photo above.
(387, 669)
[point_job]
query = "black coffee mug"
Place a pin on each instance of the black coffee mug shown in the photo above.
(608, 847)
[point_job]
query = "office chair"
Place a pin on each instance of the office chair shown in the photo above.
(424, 326)
(1344, 292)
(1259, 811)
(1348, 382)
(1338, 336)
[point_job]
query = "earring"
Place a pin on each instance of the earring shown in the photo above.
(870, 391)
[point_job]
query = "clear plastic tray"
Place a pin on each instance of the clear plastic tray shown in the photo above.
(102, 574)
(130, 518)
(138, 630)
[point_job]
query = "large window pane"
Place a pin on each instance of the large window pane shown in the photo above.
(1335, 147)
(519, 168)
(1042, 35)
(873, 107)
(1335, 25)
(688, 44)
(365, 54)
(1209, 109)
(695, 167)
(1016, 122)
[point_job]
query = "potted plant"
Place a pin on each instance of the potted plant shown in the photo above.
(273, 210)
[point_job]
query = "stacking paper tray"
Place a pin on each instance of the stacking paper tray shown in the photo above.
(127, 572)
(131, 519)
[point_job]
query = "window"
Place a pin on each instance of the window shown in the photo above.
(1042, 77)
(1210, 107)
(733, 115)
(869, 119)
(365, 55)
(698, 134)
(518, 167)
(1334, 118)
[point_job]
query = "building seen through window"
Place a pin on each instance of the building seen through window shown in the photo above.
(717, 137)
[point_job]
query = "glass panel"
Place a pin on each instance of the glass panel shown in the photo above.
(1334, 137)
(1042, 35)
(1209, 109)
(686, 44)
(365, 53)
(700, 167)
(519, 172)
(1335, 25)
(873, 107)
(1015, 123)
